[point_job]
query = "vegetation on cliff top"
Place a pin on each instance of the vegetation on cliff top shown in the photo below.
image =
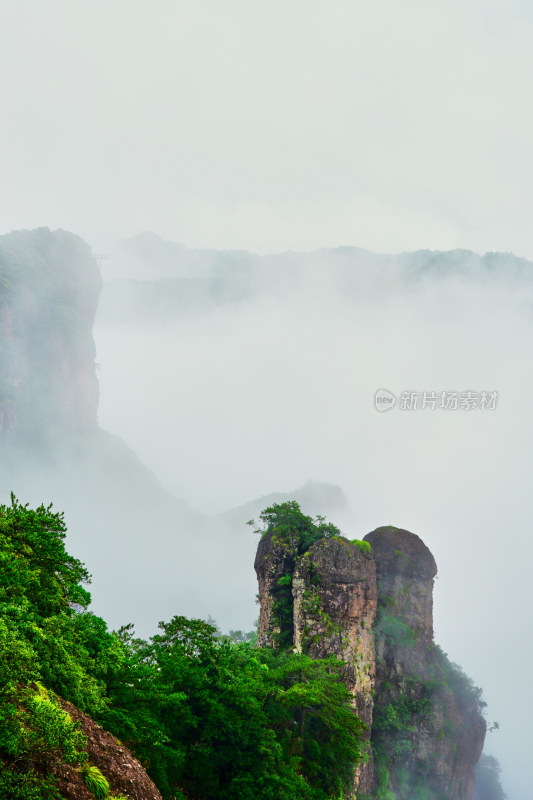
(209, 718)
(297, 533)
(289, 524)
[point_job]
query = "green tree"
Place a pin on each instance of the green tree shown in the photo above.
(41, 602)
(215, 719)
(288, 521)
(209, 717)
(34, 562)
(297, 532)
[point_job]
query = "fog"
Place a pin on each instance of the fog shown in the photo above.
(238, 378)
(273, 385)
(270, 126)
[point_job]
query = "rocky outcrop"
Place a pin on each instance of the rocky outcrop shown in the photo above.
(274, 561)
(52, 449)
(49, 289)
(405, 570)
(126, 776)
(335, 603)
(322, 602)
(428, 731)
(370, 603)
(78, 754)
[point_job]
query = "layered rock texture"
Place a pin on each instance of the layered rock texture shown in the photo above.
(370, 603)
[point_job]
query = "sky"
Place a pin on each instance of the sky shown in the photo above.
(270, 126)
(294, 126)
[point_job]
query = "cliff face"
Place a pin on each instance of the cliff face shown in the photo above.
(323, 602)
(335, 603)
(405, 572)
(371, 605)
(52, 449)
(428, 731)
(275, 559)
(49, 289)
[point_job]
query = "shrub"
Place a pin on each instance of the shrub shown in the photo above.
(25, 785)
(364, 547)
(95, 782)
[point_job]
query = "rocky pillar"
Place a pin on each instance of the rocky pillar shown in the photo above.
(274, 565)
(335, 601)
(428, 730)
(405, 570)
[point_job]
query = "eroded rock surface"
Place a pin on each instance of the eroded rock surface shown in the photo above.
(335, 603)
(428, 730)
(275, 559)
(373, 609)
(406, 570)
(124, 773)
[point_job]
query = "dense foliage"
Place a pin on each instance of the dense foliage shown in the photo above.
(297, 533)
(39, 589)
(291, 524)
(229, 721)
(209, 717)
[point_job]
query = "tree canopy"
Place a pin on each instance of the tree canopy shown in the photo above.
(289, 522)
(208, 717)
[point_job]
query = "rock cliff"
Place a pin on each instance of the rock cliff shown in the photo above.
(52, 448)
(428, 731)
(49, 289)
(335, 602)
(370, 603)
(126, 776)
(64, 768)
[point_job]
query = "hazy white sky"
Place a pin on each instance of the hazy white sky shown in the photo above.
(270, 126)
